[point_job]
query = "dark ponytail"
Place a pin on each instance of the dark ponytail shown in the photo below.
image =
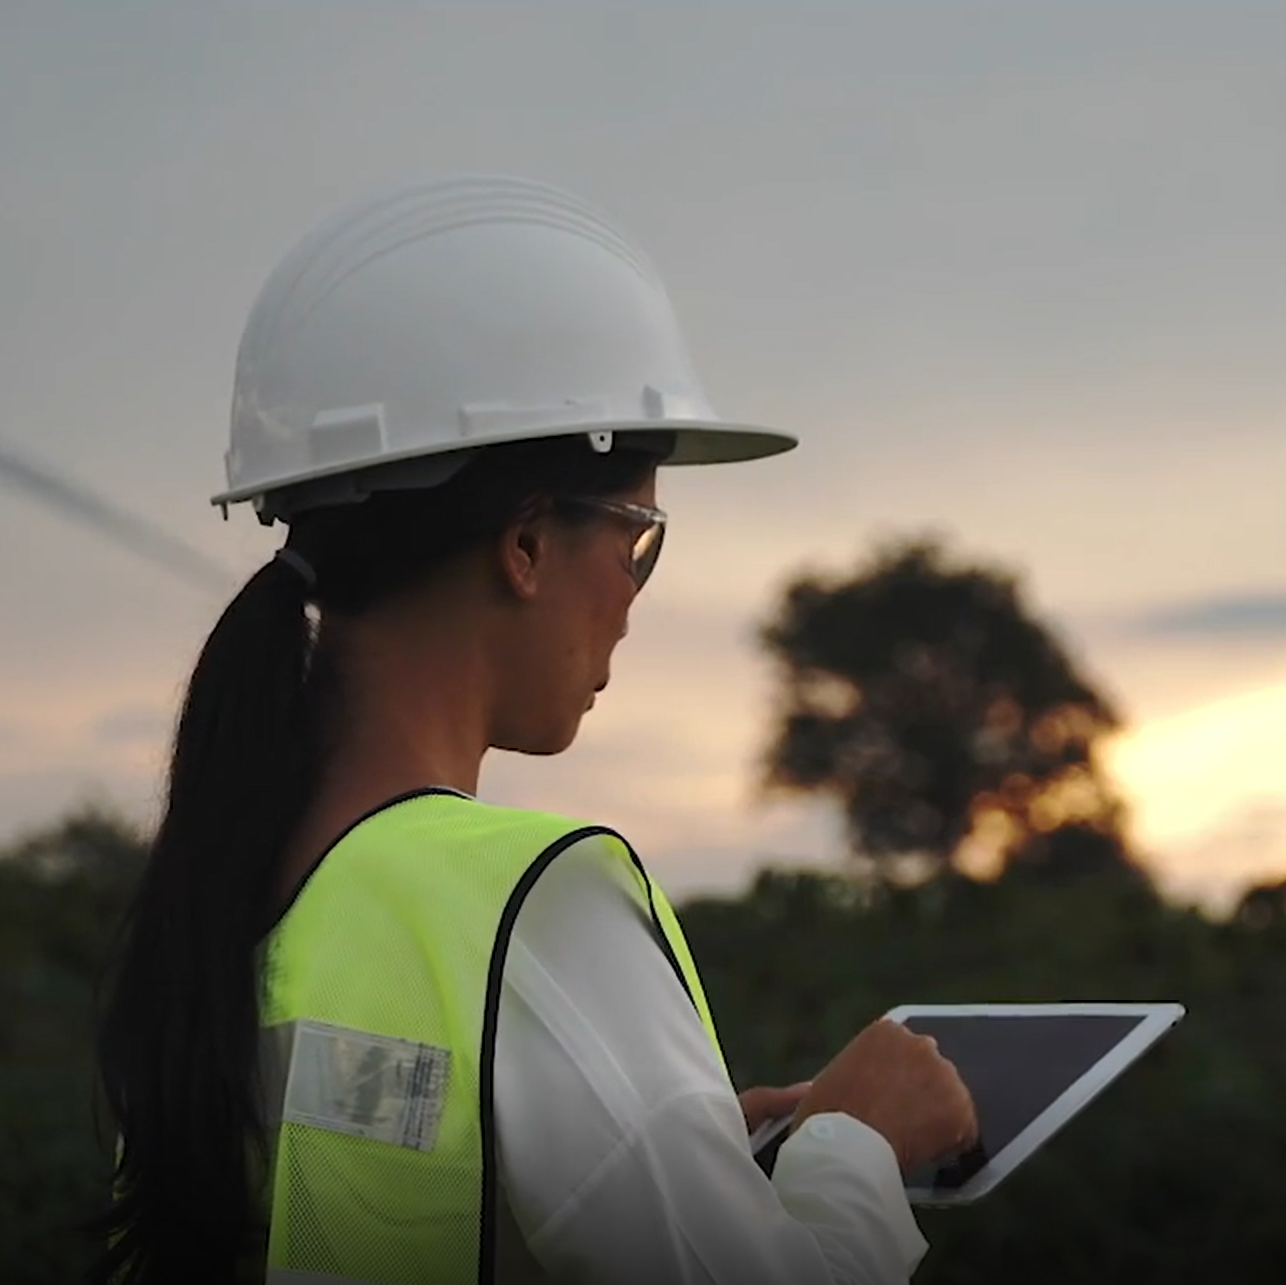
(176, 1034)
(179, 1036)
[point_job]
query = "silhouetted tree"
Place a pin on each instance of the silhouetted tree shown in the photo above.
(926, 698)
(63, 892)
(1077, 850)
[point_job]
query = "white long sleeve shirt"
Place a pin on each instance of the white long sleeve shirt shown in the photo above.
(623, 1153)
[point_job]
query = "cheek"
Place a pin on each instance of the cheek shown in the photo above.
(587, 651)
(613, 616)
(606, 593)
(589, 620)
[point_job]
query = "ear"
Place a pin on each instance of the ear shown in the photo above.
(523, 550)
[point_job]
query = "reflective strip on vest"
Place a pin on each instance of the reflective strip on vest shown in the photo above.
(382, 994)
(346, 1081)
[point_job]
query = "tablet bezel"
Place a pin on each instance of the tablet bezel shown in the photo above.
(1157, 1020)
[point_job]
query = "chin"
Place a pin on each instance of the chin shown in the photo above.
(546, 743)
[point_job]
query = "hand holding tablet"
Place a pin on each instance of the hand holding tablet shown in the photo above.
(1029, 1069)
(896, 1081)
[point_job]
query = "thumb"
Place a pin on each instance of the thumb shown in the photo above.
(760, 1105)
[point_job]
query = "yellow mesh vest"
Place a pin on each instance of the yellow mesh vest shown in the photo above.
(382, 988)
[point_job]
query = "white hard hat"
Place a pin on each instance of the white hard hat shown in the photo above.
(412, 328)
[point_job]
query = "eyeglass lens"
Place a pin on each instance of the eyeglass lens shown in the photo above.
(647, 548)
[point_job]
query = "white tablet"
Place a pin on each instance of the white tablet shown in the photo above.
(1030, 1068)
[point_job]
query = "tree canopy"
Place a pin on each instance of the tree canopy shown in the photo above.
(63, 891)
(924, 696)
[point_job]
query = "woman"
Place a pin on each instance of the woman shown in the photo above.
(366, 1027)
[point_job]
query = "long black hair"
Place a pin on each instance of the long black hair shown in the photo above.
(178, 1037)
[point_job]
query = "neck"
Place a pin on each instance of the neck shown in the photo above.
(413, 707)
(413, 711)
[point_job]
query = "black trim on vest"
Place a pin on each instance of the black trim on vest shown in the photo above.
(491, 1019)
(662, 937)
(348, 829)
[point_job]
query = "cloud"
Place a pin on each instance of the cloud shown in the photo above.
(1238, 617)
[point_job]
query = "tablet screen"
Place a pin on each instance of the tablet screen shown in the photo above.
(1015, 1067)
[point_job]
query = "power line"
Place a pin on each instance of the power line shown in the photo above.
(129, 532)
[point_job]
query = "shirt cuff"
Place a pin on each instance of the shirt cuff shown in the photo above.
(833, 1151)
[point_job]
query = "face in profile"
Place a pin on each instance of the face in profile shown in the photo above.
(584, 586)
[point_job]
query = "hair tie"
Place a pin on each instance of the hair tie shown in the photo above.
(297, 562)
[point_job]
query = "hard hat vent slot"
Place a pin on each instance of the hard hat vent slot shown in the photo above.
(480, 420)
(353, 433)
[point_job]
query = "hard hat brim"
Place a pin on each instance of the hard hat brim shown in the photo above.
(707, 443)
(697, 442)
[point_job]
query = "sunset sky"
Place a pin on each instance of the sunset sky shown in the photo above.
(1014, 272)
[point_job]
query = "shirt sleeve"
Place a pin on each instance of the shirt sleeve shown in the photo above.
(623, 1152)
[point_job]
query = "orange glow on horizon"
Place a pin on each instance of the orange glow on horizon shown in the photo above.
(1207, 792)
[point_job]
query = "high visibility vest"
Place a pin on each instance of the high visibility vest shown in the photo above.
(382, 992)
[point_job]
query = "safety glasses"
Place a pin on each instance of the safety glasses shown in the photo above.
(649, 530)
